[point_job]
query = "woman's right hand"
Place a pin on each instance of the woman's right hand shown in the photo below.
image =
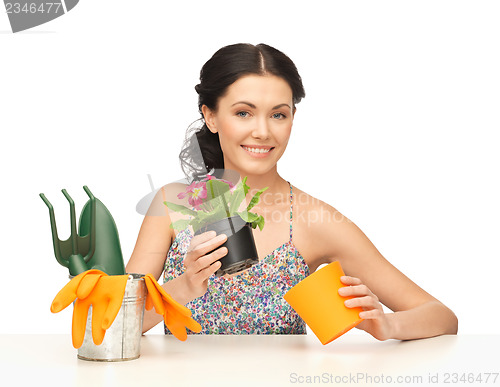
(199, 265)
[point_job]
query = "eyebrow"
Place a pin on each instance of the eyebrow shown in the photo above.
(255, 107)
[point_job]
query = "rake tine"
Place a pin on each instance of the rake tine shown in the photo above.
(55, 238)
(88, 257)
(74, 242)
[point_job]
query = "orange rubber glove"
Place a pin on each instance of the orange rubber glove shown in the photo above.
(96, 288)
(176, 316)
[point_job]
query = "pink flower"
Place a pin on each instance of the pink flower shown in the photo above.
(210, 177)
(196, 192)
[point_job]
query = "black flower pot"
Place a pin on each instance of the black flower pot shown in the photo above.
(241, 250)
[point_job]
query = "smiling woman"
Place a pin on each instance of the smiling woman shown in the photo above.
(247, 99)
(239, 65)
(257, 128)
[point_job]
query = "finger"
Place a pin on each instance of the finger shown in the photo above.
(149, 302)
(177, 329)
(154, 294)
(186, 321)
(206, 261)
(206, 247)
(149, 298)
(200, 239)
(355, 290)
(371, 314)
(67, 294)
(98, 309)
(172, 306)
(79, 323)
(348, 280)
(363, 302)
(87, 284)
(160, 296)
(164, 298)
(213, 268)
(189, 323)
(170, 303)
(119, 282)
(206, 273)
(192, 325)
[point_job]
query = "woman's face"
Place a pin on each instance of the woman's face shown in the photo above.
(254, 121)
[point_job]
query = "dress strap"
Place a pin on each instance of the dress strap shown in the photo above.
(164, 199)
(291, 209)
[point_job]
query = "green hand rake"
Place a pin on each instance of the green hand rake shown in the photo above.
(96, 246)
(75, 252)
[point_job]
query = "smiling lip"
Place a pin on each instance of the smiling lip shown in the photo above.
(250, 149)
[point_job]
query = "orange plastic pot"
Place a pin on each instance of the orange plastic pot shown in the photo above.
(317, 300)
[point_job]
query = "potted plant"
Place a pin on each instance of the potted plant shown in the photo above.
(215, 206)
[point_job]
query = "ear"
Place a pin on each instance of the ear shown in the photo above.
(209, 116)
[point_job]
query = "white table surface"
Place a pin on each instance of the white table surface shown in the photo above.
(275, 360)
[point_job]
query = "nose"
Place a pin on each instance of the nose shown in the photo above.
(261, 129)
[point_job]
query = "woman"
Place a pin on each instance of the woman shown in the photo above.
(247, 98)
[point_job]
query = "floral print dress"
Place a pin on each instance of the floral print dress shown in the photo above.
(250, 302)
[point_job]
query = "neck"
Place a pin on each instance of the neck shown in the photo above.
(275, 183)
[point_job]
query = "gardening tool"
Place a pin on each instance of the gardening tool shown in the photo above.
(75, 252)
(108, 253)
(105, 294)
(176, 316)
(96, 246)
(123, 338)
(96, 288)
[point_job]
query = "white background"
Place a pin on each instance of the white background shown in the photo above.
(398, 130)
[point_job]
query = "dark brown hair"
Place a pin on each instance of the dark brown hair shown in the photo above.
(201, 152)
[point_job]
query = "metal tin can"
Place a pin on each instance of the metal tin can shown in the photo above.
(122, 340)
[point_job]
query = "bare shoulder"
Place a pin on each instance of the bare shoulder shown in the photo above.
(158, 217)
(314, 223)
(156, 234)
(333, 233)
(167, 193)
(327, 235)
(317, 211)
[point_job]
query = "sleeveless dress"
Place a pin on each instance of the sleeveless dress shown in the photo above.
(250, 302)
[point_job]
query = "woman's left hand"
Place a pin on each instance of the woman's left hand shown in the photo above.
(375, 321)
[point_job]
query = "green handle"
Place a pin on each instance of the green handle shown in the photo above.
(107, 255)
(96, 246)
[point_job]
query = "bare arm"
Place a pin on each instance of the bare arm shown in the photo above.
(417, 313)
(154, 240)
(151, 249)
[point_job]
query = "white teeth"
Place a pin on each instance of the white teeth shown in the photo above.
(257, 150)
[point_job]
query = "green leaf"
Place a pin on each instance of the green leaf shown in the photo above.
(248, 216)
(255, 198)
(196, 225)
(210, 192)
(222, 195)
(245, 186)
(204, 218)
(216, 188)
(180, 224)
(238, 196)
(259, 222)
(179, 208)
(217, 195)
